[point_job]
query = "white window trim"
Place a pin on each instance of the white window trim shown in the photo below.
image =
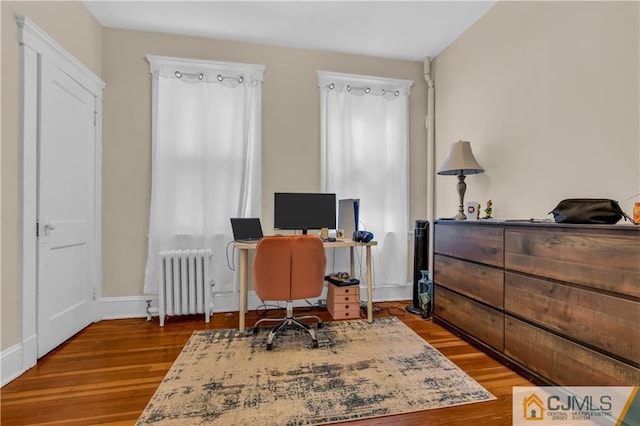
(391, 84)
(169, 64)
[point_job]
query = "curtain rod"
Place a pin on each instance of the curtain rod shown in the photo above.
(200, 76)
(365, 89)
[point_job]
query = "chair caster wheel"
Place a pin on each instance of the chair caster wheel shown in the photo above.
(269, 346)
(314, 344)
(320, 325)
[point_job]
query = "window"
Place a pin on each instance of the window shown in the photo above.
(206, 160)
(364, 123)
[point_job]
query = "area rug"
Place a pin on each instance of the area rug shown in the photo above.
(359, 370)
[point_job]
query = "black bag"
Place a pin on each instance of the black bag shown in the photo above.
(589, 210)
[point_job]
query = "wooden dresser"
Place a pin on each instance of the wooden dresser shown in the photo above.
(559, 303)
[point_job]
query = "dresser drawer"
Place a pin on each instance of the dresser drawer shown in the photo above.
(607, 260)
(479, 282)
(479, 243)
(484, 323)
(562, 361)
(600, 320)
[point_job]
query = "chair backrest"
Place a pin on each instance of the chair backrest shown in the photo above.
(289, 267)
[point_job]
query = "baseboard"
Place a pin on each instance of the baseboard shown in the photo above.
(11, 363)
(388, 293)
(136, 306)
(125, 307)
(17, 359)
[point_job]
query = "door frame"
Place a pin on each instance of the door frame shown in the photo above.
(36, 45)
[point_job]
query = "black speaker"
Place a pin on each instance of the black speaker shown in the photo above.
(420, 260)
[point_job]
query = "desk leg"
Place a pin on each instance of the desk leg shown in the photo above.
(352, 271)
(244, 260)
(369, 286)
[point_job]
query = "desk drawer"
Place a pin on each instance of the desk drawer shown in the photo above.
(343, 299)
(344, 290)
(344, 310)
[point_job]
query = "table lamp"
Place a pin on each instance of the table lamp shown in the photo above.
(461, 163)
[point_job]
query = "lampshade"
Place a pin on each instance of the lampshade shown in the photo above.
(461, 161)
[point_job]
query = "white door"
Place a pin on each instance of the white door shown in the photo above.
(66, 208)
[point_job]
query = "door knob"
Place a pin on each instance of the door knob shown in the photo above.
(47, 226)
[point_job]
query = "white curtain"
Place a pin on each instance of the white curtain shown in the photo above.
(206, 158)
(364, 154)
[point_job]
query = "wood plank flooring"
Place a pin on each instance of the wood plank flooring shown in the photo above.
(107, 373)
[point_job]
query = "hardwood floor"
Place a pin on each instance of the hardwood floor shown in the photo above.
(107, 373)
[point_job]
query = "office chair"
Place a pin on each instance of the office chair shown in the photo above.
(289, 268)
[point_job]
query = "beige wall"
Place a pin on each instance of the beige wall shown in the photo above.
(78, 32)
(291, 119)
(548, 95)
(291, 132)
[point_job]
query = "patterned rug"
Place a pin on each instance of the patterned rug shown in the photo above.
(359, 370)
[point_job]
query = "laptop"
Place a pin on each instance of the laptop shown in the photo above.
(246, 230)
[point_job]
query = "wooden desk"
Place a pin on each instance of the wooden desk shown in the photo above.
(244, 268)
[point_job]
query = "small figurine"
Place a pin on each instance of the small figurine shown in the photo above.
(488, 210)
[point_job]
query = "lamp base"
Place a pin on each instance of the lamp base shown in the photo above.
(462, 188)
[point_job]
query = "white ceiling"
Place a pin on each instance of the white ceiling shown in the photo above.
(409, 30)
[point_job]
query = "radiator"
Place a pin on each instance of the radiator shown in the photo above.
(185, 283)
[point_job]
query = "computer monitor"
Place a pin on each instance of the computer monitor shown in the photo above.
(304, 211)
